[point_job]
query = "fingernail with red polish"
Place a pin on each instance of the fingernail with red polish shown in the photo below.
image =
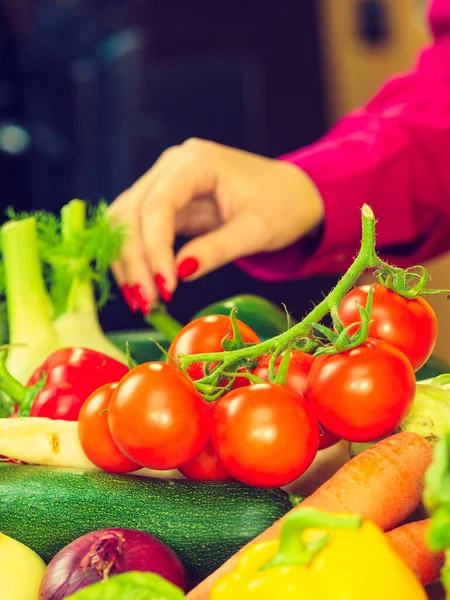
(140, 299)
(162, 287)
(187, 267)
(128, 296)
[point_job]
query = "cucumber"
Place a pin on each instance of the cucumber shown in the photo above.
(205, 523)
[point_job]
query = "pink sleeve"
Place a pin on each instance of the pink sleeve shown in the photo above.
(393, 154)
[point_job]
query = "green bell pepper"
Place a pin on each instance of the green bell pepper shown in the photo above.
(263, 316)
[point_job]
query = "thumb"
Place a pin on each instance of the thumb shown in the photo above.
(244, 235)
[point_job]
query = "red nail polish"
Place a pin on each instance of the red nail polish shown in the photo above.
(128, 296)
(187, 267)
(141, 300)
(164, 291)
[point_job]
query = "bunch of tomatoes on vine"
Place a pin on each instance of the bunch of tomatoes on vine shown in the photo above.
(226, 405)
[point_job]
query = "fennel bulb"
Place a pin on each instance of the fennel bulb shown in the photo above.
(28, 305)
(50, 269)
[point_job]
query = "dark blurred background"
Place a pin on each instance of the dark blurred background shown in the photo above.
(92, 91)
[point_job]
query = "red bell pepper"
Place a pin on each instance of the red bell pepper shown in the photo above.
(59, 387)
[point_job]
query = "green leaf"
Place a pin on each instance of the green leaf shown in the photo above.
(273, 359)
(283, 367)
(437, 478)
(6, 406)
(436, 499)
(326, 331)
(30, 394)
(234, 339)
(130, 362)
(288, 317)
(439, 531)
(134, 585)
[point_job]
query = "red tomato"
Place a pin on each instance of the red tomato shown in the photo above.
(297, 375)
(265, 435)
(157, 417)
(363, 394)
(205, 334)
(327, 439)
(296, 380)
(409, 325)
(207, 466)
(95, 436)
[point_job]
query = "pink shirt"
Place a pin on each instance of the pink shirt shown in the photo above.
(393, 154)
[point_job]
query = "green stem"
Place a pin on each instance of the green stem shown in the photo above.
(160, 319)
(365, 259)
(293, 549)
(8, 384)
(81, 297)
(73, 219)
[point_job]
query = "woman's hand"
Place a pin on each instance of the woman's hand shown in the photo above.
(232, 204)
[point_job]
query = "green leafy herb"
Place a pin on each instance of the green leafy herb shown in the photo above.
(436, 498)
(133, 585)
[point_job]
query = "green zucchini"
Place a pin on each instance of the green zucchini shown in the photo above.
(205, 523)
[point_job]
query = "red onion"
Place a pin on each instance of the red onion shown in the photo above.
(100, 554)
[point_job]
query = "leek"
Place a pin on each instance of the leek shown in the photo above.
(52, 270)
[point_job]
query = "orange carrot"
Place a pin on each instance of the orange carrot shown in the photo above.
(409, 541)
(382, 484)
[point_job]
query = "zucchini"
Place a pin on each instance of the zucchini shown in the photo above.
(205, 523)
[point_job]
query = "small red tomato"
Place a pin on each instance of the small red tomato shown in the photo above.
(327, 439)
(207, 466)
(157, 417)
(296, 380)
(95, 436)
(409, 325)
(363, 394)
(206, 334)
(265, 435)
(297, 374)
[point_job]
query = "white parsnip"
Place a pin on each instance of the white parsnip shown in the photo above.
(41, 441)
(51, 442)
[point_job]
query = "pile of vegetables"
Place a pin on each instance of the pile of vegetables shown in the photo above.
(211, 432)
(272, 404)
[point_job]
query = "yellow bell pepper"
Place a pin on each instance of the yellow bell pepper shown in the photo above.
(321, 557)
